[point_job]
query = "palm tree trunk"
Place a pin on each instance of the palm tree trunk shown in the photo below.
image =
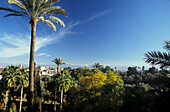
(55, 97)
(31, 66)
(6, 99)
(21, 99)
(58, 70)
(61, 102)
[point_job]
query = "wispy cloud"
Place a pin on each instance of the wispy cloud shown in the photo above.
(12, 45)
(98, 15)
(44, 54)
(18, 44)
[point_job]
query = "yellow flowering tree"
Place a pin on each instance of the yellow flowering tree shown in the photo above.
(99, 91)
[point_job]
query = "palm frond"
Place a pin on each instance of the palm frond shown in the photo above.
(48, 3)
(27, 4)
(14, 14)
(49, 23)
(38, 6)
(56, 20)
(158, 58)
(167, 45)
(54, 10)
(41, 18)
(8, 9)
(18, 3)
(58, 61)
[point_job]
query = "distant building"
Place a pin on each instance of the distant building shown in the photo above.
(41, 68)
(46, 72)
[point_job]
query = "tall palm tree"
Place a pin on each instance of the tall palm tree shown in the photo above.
(97, 66)
(58, 62)
(159, 58)
(36, 10)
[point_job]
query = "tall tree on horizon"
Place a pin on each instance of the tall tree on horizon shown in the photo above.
(58, 62)
(36, 10)
(98, 66)
(159, 58)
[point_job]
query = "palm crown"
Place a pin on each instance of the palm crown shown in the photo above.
(37, 10)
(58, 62)
(97, 66)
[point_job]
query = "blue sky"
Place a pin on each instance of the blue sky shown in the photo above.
(111, 32)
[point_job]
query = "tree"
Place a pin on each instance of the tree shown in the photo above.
(55, 92)
(58, 62)
(159, 58)
(98, 66)
(22, 81)
(65, 82)
(152, 70)
(9, 80)
(99, 92)
(107, 69)
(143, 68)
(36, 10)
(132, 70)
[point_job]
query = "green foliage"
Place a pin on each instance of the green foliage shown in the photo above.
(152, 70)
(107, 69)
(138, 101)
(9, 75)
(98, 91)
(79, 72)
(65, 81)
(22, 77)
(133, 91)
(98, 66)
(13, 107)
(132, 71)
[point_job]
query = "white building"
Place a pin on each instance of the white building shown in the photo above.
(41, 68)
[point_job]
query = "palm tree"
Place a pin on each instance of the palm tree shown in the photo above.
(22, 81)
(9, 80)
(36, 10)
(58, 62)
(65, 82)
(97, 66)
(159, 58)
